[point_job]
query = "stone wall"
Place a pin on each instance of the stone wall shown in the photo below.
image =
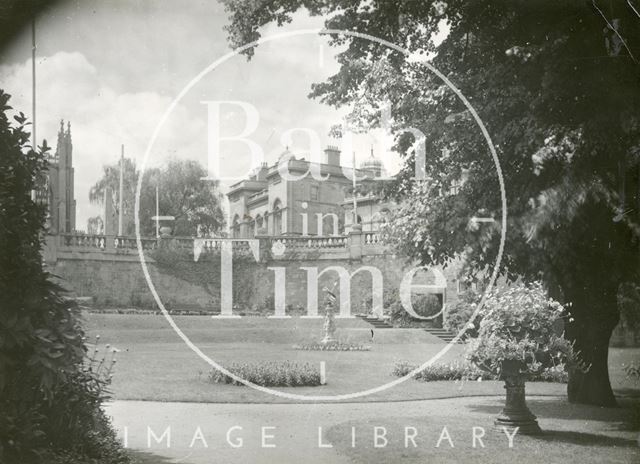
(115, 278)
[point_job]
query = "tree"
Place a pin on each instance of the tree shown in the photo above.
(111, 180)
(195, 203)
(557, 86)
(95, 225)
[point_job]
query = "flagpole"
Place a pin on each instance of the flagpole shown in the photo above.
(157, 214)
(120, 194)
(33, 72)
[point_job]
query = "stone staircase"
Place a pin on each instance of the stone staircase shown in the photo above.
(443, 334)
(375, 322)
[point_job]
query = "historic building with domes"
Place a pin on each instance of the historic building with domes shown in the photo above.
(266, 203)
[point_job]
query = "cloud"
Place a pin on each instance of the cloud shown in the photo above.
(113, 71)
(69, 87)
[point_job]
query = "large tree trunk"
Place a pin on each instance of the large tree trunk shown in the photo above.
(591, 333)
(593, 386)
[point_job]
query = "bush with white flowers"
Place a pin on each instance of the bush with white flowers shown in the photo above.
(518, 324)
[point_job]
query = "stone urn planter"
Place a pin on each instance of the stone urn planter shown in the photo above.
(515, 412)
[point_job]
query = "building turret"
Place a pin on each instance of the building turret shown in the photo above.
(62, 205)
(373, 166)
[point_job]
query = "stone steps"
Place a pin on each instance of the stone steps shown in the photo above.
(375, 322)
(442, 334)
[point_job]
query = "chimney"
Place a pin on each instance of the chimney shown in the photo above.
(332, 155)
(261, 172)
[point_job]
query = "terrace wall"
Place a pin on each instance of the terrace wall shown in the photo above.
(108, 270)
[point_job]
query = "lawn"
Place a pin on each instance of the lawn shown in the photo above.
(154, 364)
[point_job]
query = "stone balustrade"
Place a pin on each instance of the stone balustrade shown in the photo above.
(371, 238)
(369, 243)
(83, 241)
(313, 243)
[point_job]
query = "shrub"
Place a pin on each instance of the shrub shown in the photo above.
(436, 372)
(458, 315)
(467, 371)
(270, 374)
(517, 324)
(50, 404)
(423, 305)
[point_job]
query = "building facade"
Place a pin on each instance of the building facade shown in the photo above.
(285, 199)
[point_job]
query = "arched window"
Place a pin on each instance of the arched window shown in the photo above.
(259, 224)
(235, 227)
(277, 217)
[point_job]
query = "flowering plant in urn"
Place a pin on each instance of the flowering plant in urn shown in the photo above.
(518, 337)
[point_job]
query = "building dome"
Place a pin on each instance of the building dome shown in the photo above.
(284, 156)
(373, 165)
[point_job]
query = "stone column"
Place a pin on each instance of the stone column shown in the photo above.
(355, 242)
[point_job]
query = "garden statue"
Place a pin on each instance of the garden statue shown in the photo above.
(329, 322)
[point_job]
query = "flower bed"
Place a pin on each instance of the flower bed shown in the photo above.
(338, 346)
(270, 374)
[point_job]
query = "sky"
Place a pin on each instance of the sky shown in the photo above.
(112, 68)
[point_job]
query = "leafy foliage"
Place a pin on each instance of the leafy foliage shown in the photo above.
(206, 273)
(518, 325)
(47, 400)
(423, 305)
(556, 85)
(459, 314)
(457, 371)
(195, 203)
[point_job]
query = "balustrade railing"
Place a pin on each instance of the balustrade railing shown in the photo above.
(313, 243)
(130, 243)
(83, 241)
(98, 242)
(281, 244)
(371, 238)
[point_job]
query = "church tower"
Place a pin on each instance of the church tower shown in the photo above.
(62, 206)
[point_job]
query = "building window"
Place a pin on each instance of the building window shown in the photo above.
(314, 192)
(277, 218)
(235, 228)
